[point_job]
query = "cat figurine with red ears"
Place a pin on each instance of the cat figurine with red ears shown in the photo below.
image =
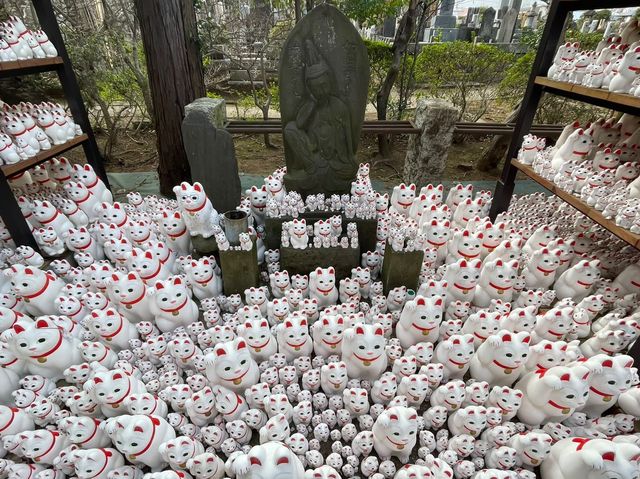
(610, 377)
(402, 199)
(420, 321)
(175, 231)
(363, 351)
(110, 388)
(455, 354)
(271, 459)
(579, 457)
(293, 337)
(327, 334)
(231, 366)
(257, 333)
(148, 266)
(497, 279)
(203, 278)
(172, 305)
(395, 433)
(36, 288)
(197, 210)
(322, 286)
(42, 446)
(129, 293)
(96, 463)
(501, 358)
(111, 328)
(47, 350)
(552, 394)
(86, 175)
(139, 438)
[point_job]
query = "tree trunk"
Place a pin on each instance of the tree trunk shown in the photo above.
(298, 10)
(170, 39)
(490, 159)
(400, 43)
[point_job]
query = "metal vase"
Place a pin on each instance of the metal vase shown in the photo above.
(234, 223)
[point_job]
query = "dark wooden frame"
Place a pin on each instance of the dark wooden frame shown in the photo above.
(539, 84)
(10, 211)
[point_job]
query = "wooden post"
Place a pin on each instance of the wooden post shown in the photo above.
(170, 40)
(49, 23)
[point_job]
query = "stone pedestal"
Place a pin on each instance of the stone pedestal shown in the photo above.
(240, 270)
(204, 246)
(211, 153)
(427, 152)
(401, 269)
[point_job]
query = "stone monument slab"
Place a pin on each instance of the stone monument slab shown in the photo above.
(210, 152)
(486, 26)
(427, 152)
(324, 77)
(508, 26)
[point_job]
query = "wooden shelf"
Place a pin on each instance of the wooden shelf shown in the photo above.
(43, 156)
(596, 96)
(25, 67)
(577, 203)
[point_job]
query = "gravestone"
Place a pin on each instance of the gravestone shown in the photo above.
(486, 26)
(531, 20)
(443, 26)
(508, 26)
(427, 152)
(210, 152)
(324, 78)
(471, 12)
(389, 27)
(504, 6)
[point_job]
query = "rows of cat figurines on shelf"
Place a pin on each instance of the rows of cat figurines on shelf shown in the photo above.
(17, 42)
(597, 162)
(26, 129)
(274, 370)
(327, 233)
(614, 64)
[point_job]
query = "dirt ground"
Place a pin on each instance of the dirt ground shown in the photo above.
(137, 153)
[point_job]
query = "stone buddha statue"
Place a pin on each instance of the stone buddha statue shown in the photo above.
(321, 151)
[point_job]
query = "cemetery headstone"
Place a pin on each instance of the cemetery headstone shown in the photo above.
(508, 26)
(486, 26)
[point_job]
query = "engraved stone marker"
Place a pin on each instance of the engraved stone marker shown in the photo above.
(324, 76)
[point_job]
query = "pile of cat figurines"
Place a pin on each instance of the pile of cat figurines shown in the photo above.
(614, 65)
(508, 361)
(597, 162)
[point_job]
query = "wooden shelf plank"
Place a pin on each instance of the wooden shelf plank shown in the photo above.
(43, 156)
(23, 67)
(577, 203)
(615, 101)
